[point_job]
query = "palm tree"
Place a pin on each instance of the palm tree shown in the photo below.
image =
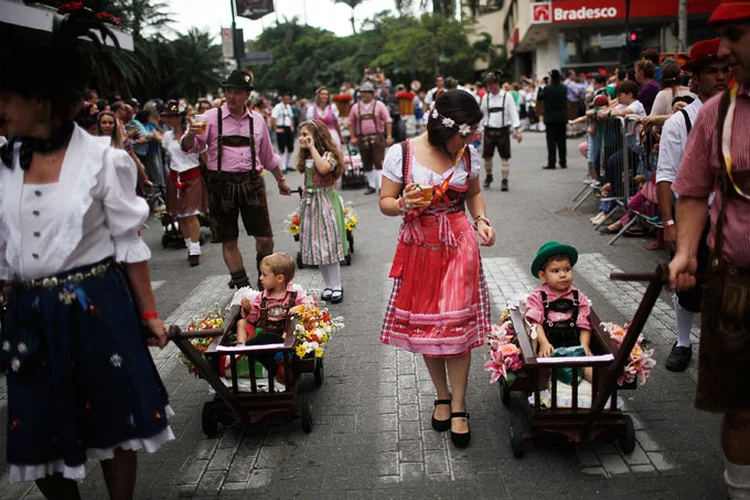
(141, 15)
(353, 5)
(196, 65)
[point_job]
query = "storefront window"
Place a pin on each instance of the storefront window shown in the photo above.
(595, 47)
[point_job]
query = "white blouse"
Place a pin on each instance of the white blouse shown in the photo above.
(180, 160)
(392, 169)
(91, 213)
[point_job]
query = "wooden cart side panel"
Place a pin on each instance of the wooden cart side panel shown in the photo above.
(524, 339)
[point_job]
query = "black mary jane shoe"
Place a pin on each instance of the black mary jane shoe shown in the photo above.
(337, 296)
(460, 440)
(441, 425)
(326, 295)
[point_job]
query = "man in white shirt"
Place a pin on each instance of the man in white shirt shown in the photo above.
(282, 119)
(500, 115)
(711, 75)
(431, 95)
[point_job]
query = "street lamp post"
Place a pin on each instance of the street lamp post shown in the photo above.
(234, 37)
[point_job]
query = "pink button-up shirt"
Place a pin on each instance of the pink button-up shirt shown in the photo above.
(236, 159)
(535, 307)
(699, 172)
(368, 124)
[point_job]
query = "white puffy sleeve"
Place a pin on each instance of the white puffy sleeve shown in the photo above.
(392, 168)
(476, 162)
(124, 212)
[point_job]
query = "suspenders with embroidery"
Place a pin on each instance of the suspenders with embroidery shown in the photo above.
(369, 116)
(235, 141)
(565, 331)
(264, 323)
(500, 110)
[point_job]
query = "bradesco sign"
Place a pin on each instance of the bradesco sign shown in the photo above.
(574, 11)
(577, 11)
(560, 15)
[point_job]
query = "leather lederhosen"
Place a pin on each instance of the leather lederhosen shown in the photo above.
(724, 360)
(273, 319)
(561, 333)
(369, 139)
(235, 189)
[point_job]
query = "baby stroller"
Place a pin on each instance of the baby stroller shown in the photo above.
(353, 177)
(349, 238)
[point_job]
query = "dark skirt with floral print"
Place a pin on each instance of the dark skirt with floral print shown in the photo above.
(80, 376)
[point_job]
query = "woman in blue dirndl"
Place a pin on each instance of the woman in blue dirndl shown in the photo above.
(81, 381)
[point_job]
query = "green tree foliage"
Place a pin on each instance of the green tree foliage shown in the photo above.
(405, 48)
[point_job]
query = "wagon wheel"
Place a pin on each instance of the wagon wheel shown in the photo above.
(306, 416)
(318, 374)
(504, 393)
(348, 259)
(164, 240)
(300, 264)
(516, 437)
(350, 238)
(627, 438)
(209, 421)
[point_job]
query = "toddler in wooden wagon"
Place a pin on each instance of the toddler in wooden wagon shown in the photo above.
(264, 319)
(558, 311)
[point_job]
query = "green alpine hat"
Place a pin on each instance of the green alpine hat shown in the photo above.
(548, 250)
(239, 80)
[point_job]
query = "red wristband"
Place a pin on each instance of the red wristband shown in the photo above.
(149, 315)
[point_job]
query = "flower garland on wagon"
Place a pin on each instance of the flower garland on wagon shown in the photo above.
(314, 329)
(350, 217)
(292, 223)
(640, 362)
(504, 356)
(211, 319)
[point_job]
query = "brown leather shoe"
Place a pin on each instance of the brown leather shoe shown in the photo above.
(194, 260)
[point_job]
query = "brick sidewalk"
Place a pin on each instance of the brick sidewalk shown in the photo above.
(372, 436)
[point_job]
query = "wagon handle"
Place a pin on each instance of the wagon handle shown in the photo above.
(661, 274)
(176, 332)
(656, 280)
(176, 335)
(299, 191)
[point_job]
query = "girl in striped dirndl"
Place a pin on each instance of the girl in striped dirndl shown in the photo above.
(322, 230)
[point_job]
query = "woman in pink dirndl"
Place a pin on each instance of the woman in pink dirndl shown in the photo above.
(323, 110)
(440, 304)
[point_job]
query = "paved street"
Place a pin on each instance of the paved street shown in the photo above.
(372, 436)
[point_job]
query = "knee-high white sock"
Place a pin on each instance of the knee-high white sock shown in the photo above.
(370, 176)
(684, 323)
(737, 478)
(285, 158)
(194, 248)
(488, 165)
(505, 168)
(331, 276)
(378, 179)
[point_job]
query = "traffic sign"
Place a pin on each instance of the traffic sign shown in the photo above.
(258, 58)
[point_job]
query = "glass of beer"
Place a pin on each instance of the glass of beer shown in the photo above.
(425, 193)
(201, 121)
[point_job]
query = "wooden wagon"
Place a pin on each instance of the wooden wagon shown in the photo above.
(603, 418)
(265, 398)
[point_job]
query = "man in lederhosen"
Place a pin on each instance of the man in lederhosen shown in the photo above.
(500, 116)
(717, 160)
(239, 148)
(370, 129)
